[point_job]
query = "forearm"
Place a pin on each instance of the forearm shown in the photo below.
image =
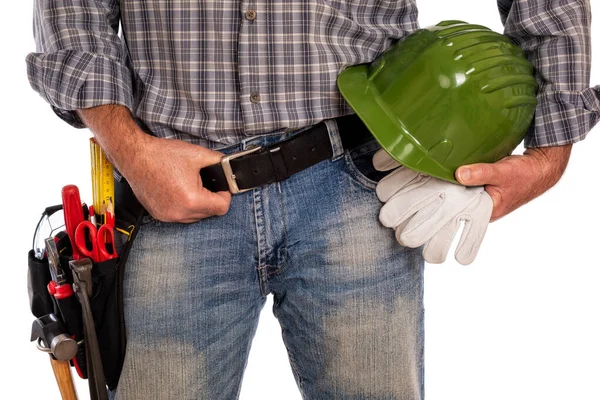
(551, 161)
(117, 133)
(517, 179)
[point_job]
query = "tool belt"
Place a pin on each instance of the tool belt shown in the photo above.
(102, 300)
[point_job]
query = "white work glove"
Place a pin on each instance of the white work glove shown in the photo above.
(424, 210)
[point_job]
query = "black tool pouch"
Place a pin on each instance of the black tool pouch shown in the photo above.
(107, 313)
(106, 298)
(108, 308)
(38, 277)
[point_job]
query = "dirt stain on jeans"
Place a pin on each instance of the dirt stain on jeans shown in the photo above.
(373, 350)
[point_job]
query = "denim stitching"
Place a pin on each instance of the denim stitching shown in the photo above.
(294, 368)
(280, 269)
(259, 220)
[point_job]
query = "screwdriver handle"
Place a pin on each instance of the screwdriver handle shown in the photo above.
(73, 214)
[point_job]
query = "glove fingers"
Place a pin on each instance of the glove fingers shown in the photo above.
(436, 249)
(382, 161)
(392, 216)
(474, 231)
(398, 229)
(426, 223)
(398, 180)
(433, 217)
(396, 211)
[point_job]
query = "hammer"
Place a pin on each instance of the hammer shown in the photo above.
(53, 339)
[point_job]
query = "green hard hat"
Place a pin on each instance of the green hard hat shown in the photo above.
(445, 96)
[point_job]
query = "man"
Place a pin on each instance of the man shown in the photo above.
(223, 78)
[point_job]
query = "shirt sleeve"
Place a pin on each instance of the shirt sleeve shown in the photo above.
(555, 35)
(79, 60)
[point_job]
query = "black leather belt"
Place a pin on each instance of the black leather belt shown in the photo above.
(258, 166)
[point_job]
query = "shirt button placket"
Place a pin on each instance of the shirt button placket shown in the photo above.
(253, 60)
(250, 15)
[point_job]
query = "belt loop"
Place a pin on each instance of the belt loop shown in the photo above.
(334, 137)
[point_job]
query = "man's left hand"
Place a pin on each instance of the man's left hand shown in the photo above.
(517, 179)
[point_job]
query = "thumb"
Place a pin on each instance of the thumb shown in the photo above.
(206, 157)
(476, 174)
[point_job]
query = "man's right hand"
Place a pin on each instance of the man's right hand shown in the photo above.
(163, 173)
(165, 177)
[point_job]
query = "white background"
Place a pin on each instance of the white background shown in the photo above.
(521, 323)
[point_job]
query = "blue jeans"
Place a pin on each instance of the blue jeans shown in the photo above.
(348, 297)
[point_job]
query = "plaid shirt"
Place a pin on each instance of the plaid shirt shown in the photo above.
(213, 73)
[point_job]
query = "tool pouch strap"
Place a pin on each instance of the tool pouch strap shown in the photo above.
(111, 336)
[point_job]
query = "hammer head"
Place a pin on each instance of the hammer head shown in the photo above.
(54, 337)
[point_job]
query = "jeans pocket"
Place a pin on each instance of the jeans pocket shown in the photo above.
(359, 164)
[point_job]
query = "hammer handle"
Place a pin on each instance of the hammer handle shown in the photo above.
(62, 373)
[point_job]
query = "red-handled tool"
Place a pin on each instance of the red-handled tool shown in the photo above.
(73, 212)
(68, 306)
(58, 286)
(101, 241)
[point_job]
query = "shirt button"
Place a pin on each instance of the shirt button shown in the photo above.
(250, 15)
(254, 98)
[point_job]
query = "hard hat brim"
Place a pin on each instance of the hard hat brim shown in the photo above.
(388, 130)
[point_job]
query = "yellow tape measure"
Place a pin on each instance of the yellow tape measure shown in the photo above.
(103, 185)
(107, 184)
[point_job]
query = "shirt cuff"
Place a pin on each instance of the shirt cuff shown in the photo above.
(71, 80)
(564, 117)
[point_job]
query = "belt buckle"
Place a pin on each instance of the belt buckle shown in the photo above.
(229, 175)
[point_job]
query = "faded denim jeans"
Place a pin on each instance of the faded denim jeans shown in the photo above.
(348, 297)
